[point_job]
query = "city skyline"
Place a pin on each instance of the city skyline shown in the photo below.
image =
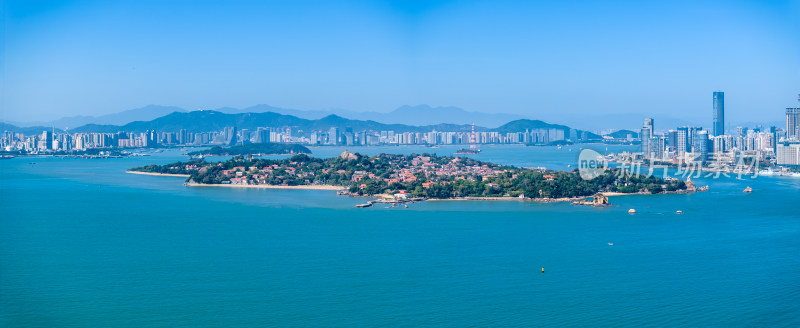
(544, 61)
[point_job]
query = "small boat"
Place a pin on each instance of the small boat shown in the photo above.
(468, 151)
(364, 205)
(610, 244)
(748, 189)
(679, 212)
(631, 211)
(406, 206)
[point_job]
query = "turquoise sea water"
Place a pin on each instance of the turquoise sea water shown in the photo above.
(84, 244)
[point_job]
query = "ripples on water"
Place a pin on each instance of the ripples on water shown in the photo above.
(82, 243)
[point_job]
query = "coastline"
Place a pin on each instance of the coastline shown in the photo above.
(159, 174)
(340, 188)
(540, 200)
(306, 187)
(614, 193)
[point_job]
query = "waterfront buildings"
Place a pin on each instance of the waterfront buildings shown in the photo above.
(698, 146)
(788, 153)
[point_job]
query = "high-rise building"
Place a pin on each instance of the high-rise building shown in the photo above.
(683, 141)
(793, 123)
(719, 113)
(788, 153)
(333, 136)
(47, 140)
(648, 122)
(741, 131)
(700, 146)
(645, 134)
(229, 135)
(262, 135)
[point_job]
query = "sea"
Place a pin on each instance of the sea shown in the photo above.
(83, 244)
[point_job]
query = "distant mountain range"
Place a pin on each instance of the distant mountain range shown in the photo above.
(408, 115)
(26, 130)
(622, 134)
(145, 113)
(420, 115)
(215, 121)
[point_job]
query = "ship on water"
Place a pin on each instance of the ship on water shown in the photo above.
(468, 151)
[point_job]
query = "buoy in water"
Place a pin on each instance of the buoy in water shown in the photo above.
(631, 211)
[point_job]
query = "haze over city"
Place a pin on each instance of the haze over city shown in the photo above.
(554, 61)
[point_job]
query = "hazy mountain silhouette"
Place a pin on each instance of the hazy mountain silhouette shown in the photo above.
(525, 124)
(409, 115)
(28, 130)
(214, 121)
(145, 113)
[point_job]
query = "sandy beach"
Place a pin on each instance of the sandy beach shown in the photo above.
(612, 193)
(159, 174)
(307, 187)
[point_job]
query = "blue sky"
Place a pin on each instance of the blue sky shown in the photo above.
(548, 59)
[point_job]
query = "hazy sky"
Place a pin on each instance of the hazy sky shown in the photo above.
(542, 59)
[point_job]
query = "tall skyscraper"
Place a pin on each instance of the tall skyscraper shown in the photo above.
(719, 113)
(230, 135)
(683, 143)
(672, 140)
(645, 135)
(333, 136)
(700, 146)
(648, 122)
(47, 140)
(793, 123)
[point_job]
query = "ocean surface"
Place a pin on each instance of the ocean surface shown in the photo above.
(84, 244)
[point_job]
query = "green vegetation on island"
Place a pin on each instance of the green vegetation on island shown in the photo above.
(253, 149)
(424, 176)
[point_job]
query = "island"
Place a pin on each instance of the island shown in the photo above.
(253, 149)
(415, 176)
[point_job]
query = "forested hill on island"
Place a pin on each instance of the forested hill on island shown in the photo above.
(425, 176)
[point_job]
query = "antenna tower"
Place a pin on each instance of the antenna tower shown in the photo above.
(472, 139)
